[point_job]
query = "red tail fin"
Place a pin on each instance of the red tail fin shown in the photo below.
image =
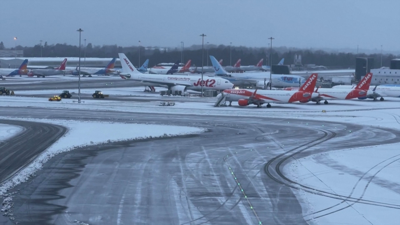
(365, 82)
(259, 64)
(186, 67)
(237, 64)
(310, 83)
(63, 64)
(220, 61)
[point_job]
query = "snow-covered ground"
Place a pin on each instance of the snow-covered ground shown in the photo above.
(364, 174)
(375, 164)
(7, 131)
(94, 133)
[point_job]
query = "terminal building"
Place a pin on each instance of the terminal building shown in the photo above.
(387, 75)
(15, 62)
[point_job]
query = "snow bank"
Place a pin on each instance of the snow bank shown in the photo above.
(84, 133)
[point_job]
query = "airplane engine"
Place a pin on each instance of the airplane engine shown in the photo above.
(178, 89)
(243, 102)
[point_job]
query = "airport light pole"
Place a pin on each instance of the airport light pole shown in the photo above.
(202, 62)
(270, 64)
(182, 47)
(41, 49)
(207, 53)
(79, 67)
(139, 53)
(230, 53)
(381, 56)
(84, 52)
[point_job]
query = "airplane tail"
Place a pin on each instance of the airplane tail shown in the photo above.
(259, 64)
(174, 68)
(127, 66)
(63, 65)
(237, 64)
(310, 83)
(110, 65)
(365, 82)
(221, 61)
(143, 68)
(281, 62)
(186, 67)
(23, 69)
(219, 70)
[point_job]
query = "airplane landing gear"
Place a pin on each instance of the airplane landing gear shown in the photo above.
(268, 105)
(382, 99)
(230, 103)
(326, 102)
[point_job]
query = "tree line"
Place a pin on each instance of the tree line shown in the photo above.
(229, 54)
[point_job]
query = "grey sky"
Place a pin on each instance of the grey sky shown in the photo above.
(293, 23)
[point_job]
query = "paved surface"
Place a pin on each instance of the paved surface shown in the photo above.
(20, 150)
(53, 83)
(229, 175)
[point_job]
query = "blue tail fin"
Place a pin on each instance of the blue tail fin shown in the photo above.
(281, 62)
(174, 68)
(22, 70)
(143, 68)
(219, 70)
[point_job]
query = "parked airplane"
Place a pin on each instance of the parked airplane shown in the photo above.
(206, 69)
(162, 70)
(173, 82)
(376, 92)
(268, 68)
(235, 67)
(259, 80)
(260, 97)
(22, 70)
(360, 91)
(87, 71)
(256, 67)
(50, 71)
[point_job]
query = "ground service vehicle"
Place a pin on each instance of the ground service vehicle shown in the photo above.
(99, 94)
(65, 94)
(55, 98)
(6, 91)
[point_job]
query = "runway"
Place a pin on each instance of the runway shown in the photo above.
(232, 174)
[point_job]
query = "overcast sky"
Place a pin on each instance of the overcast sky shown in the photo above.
(294, 23)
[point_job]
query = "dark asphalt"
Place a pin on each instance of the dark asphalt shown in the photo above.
(215, 177)
(20, 150)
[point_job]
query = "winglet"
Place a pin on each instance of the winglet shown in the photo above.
(365, 82)
(375, 87)
(310, 83)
